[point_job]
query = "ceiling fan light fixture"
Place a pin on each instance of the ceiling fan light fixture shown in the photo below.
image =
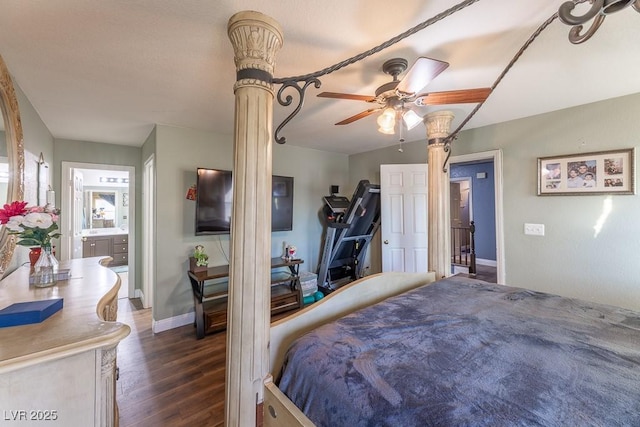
(387, 131)
(411, 119)
(387, 121)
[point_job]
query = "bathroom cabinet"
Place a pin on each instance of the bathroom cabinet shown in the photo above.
(115, 246)
(96, 246)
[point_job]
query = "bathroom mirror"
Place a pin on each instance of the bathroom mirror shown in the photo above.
(13, 146)
(103, 208)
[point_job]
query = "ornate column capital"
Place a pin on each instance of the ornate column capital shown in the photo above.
(256, 38)
(438, 126)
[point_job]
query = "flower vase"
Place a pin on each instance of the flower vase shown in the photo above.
(45, 269)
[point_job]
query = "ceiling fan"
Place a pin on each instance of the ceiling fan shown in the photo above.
(396, 97)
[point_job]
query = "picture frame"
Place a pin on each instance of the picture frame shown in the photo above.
(599, 172)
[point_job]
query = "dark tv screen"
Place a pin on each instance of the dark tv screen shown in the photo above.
(214, 193)
(281, 203)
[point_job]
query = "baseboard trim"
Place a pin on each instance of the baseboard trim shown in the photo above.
(487, 262)
(173, 322)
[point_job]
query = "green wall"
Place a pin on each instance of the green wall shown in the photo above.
(178, 152)
(570, 259)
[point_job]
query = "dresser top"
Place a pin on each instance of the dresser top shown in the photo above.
(75, 328)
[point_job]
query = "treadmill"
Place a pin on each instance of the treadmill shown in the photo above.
(350, 226)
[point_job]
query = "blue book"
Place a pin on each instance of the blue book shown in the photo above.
(25, 313)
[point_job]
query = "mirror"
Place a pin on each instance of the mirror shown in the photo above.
(105, 200)
(103, 208)
(15, 157)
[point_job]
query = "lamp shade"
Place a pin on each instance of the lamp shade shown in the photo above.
(387, 131)
(387, 121)
(411, 119)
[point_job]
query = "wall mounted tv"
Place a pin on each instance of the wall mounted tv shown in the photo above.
(214, 193)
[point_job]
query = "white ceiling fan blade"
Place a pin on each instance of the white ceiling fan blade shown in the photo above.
(420, 74)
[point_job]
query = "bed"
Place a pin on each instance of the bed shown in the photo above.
(456, 351)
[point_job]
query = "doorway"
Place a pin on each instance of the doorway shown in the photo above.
(98, 211)
(491, 205)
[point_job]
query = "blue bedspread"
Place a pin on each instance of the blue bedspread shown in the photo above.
(461, 352)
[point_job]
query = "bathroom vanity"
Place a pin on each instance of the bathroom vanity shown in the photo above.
(106, 243)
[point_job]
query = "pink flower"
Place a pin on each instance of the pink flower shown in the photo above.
(13, 209)
(35, 226)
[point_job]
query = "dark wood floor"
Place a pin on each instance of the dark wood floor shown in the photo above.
(170, 378)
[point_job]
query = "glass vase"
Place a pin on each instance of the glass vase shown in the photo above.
(46, 269)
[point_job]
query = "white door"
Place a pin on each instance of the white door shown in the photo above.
(404, 211)
(72, 214)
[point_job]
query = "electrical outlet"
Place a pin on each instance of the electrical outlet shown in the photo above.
(534, 229)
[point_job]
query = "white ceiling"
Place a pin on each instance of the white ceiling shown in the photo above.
(106, 71)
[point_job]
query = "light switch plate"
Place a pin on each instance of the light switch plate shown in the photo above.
(534, 229)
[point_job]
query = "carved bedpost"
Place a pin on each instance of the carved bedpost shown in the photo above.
(438, 124)
(256, 38)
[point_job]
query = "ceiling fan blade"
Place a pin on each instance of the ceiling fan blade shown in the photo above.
(358, 116)
(336, 95)
(420, 74)
(453, 97)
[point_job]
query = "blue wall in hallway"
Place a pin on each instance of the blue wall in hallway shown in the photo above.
(483, 205)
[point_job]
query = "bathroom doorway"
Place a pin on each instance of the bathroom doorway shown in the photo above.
(98, 216)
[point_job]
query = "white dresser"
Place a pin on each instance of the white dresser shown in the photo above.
(62, 372)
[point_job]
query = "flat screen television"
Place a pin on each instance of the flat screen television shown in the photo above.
(214, 194)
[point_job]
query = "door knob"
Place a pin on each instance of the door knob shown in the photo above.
(386, 242)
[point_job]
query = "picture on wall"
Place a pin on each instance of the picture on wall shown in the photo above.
(602, 172)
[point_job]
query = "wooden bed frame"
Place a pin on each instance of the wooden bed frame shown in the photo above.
(279, 410)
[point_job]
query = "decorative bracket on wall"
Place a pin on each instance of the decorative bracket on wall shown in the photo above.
(285, 102)
(43, 181)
